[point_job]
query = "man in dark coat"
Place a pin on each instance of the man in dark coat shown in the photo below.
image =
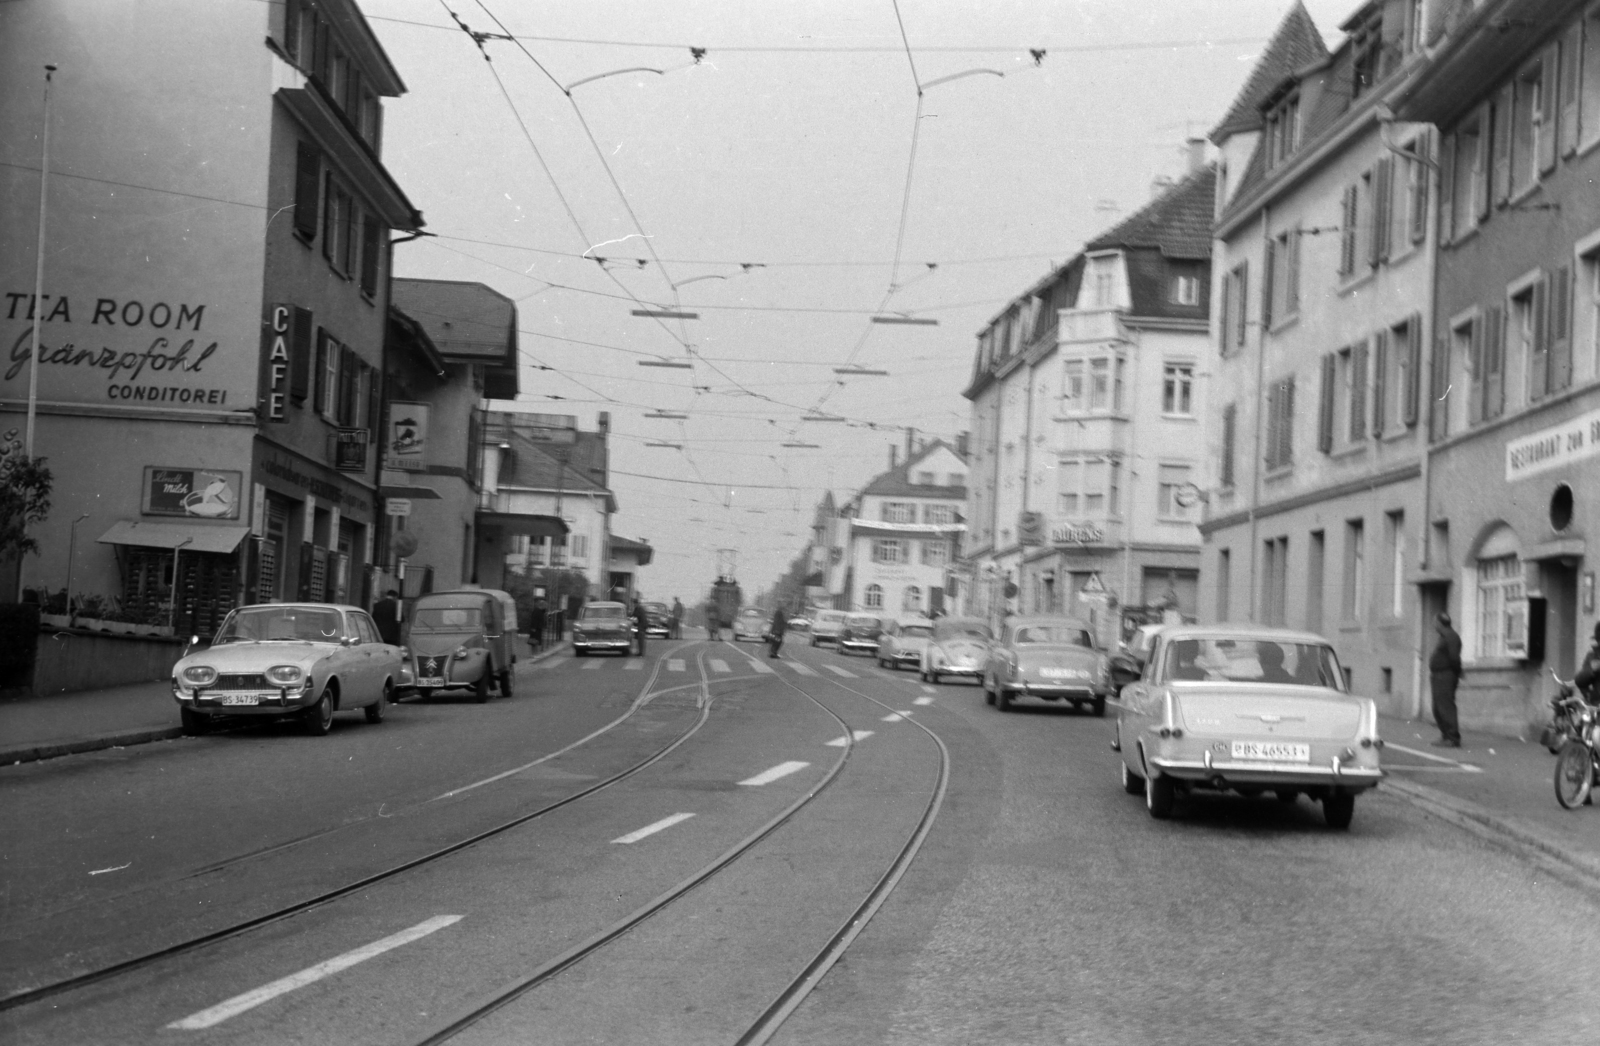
(386, 615)
(775, 630)
(1444, 673)
(1587, 680)
(536, 624)
(675, 623)
(641, 621)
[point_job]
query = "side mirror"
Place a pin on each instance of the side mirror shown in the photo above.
(349, 641)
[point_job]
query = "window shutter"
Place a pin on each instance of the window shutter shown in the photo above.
(347, 241)
(291, 29)
(1447, 188)
(1358, 391)
(1325, 407)
(1378, 239)
(1268, 278)
(1286, 426)
(1475, 364)
(1570, 50)
(1347, 232)
(1560, 328)
(345, 404)
(1420, 174)
(1380, 382)
(371, 244)
(1502, 144)
(1413, 386)
(1271, 442)
(300, 356)
(307, 177)
(374, 403)
(1480, 164)
(321, 381)
(1229, 420)
(1494, 362)
(1539, 352)
(1439, 390)
(1291, 276)
(330, 217)
(1227, 312)
(1244, 299)
(1549, 115)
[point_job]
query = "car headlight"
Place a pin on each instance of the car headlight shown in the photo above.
(461, 652)
(200, 675)
(286, 675)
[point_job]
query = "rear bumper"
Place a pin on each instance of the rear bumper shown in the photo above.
(859, 644)
(1231, 774)
(587, 643)
(959, 670)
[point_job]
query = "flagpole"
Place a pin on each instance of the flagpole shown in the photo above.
(38, 272)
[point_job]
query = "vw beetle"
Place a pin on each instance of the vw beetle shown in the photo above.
(959, 647)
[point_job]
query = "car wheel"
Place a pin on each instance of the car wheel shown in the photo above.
(1100, 707)
(480, 689)
(505, 683)
(1574, 775)
(1002, 697)
(933, 677)
(1338, 809)
(1160, 796)
(194, 723)
(578, 651)
(317, 719)
(1286, 795)
(424, 693)
(1132, 783)
(376, 710)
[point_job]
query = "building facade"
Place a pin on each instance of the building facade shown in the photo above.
(1324, 257)
(901, 534)
(215, 296)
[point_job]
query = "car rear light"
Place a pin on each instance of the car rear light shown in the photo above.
(1174, 732)
(1346, 754)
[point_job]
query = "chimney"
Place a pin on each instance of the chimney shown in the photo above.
(893, 452)
(1197, 153)
(911, 444)
(603, 422)
(962, 440)
(1158, 185)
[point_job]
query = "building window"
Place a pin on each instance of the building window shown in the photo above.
(1355, 570)
(935, 553)
(925, 479)
(1397, 562)
(888, 550)
(1279, 450)
(1486, 398)
(1224, 583)
(1588, 95)
(1280, 293)
(899, 512)
(328, 358)
(1527, 108)
(1412, 221)
(939, 515)
(1235, 298)
(1103, 281)
(1502, 614)
(1525, 354)
(911, 600)
(338, 226)
(1316, 573)
(874, 597)
(1177, 389)
(579, 544)
(1170, 480)
(958, 479)
(1366, 47)
(1275, 581)
(1283, 130)
(1397, 357)
(1185, 290)
(1089, 487)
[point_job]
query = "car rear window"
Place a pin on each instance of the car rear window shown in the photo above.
(1249, 660)
(1069, 634)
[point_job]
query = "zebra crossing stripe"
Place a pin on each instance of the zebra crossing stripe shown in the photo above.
(836, 670)
(805, 670)
(590, 666)
(759, 667)
(860, 735)
(675, 664)
(719, 665)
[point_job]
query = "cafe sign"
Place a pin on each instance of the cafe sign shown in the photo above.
(1078, 534)
(1576, 439)
(193, 493)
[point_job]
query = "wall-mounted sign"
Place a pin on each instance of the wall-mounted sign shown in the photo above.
(277, 399)
(1030, 528)
(397, 506)
(202, 493)
(1078, 534)
(408, 436)
(1572, 440)
(350, 450)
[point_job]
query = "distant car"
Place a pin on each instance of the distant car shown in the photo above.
(903, 642)
(1049, 657)
(751, 624)
(959, 646)
(461, 640)
(602, 626)
(307, 660)
(859, 633)
(1248, 709)
(658, 620)
(825, 626)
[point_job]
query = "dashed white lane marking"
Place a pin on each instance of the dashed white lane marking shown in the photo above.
(926, 689)
(860, 735)
(923, 701)
(590, 666)
(675, 664)
(553, 662)
(759, 667)
(1424, 755)
(719, 665)
(836, 670)
(895, 717)
(267, 992)
(769, 776)
(633, 666)
(805, 670)
(652, 829)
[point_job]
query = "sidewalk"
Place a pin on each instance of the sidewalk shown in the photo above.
(1495, 786)
(89, 720)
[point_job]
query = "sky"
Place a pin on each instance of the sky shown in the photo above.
(814, 165)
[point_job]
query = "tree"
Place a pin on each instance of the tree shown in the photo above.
(24, 498)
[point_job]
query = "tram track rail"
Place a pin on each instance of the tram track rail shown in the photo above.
(647, 693)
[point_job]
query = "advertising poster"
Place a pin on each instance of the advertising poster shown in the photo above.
(408, 435)
(193, 493)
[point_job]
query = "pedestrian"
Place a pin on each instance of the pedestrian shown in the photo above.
(713, 622)
(775, 631)
(386, 615)
(1444, 674)
(537, 622)
(641, 621)
(1587, 681)
(675, 623)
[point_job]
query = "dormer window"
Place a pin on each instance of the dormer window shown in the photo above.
(1366, 56)
(1283, 129)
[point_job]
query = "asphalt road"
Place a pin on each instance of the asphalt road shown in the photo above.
(1044, 906)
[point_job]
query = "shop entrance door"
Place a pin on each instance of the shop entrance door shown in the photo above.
(1560, 584)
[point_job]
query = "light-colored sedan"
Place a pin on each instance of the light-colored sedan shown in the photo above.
(304, 659)
(903, 642)
(1251, 710)
(959, 647)
(826, 625)
(1048, 657)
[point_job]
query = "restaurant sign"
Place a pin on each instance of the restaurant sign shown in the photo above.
(1573, 440)
(408, 436)
(195, 493)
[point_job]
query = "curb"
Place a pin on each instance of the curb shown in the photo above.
(1496, 829)
(34, 753)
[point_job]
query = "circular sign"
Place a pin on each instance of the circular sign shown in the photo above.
(1010, 590)
(1187, 496)
(404, 544)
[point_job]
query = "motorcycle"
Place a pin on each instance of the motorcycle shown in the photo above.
(1574, 735)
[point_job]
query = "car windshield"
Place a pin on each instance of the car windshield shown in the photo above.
(446, 619)
(752, 613)
(962, 628)
(610, 613)
(923, 631)
(294, 624)
(1072, 635)
(1247, 660)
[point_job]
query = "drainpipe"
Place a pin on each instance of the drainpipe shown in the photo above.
(1424, 379)
(1256, 467)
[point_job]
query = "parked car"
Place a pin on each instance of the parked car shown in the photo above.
(288, 659)
(859, 634)
(751, 623)
(1127, 664)
(903, 642)
(825, 626)
(1049, 657)
(799, 624)
(602, 626)
(658, 620)
(461, 640)
(959, 646)
(1248, 709)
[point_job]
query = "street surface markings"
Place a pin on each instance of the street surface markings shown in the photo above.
(552, 662)
(840, 742)
(652, 829)
(926, 689)
(895, 717)
(267, 992)
(1454, 764)
(675, 664)
(633, 666)
(590, 666)
(923, 701)
(836, 670)
(805, 670)
(769, 776)
(719, 665)
(759, 667)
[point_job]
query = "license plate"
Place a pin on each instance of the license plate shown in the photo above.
(1276, 751)
(242, 699)
(433, 681)
(1063, 673)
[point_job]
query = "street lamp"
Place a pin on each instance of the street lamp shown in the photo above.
(72, 539)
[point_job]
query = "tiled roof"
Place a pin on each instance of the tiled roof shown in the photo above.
(1177, 223)
(536, 467)
(1295, 45)
(897, 481)
(468, 322)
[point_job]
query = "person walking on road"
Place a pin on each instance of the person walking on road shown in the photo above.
(386, 615)
(641, 621)
(675, 621)
(537, 620)
(713, 622)
(1444, 673)
(775, 630)
(1587, 681)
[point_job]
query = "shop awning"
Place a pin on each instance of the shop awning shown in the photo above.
(191, 537)
(414, 493)
(518, 523)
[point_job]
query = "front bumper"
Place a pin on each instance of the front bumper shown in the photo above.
(908, 657)
(266, 702)
(453, 673)
(601, 642)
